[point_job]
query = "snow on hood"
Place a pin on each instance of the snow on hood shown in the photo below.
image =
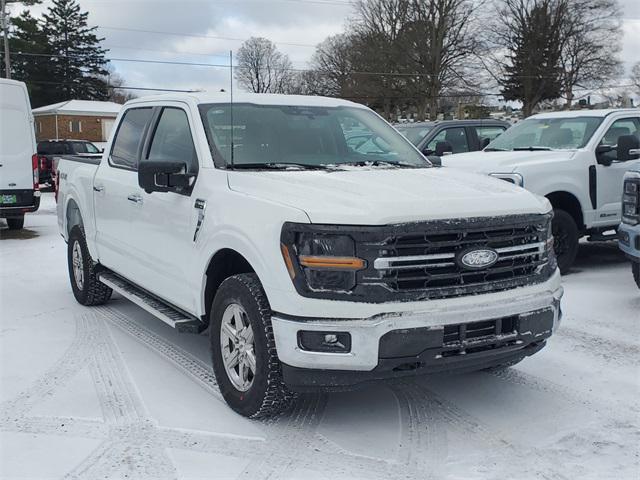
(383, 196)
(503, 162)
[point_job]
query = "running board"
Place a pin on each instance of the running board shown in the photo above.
(170, 315)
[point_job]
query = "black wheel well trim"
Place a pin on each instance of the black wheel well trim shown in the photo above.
(568, 202)
(73, 216)
(223, 264)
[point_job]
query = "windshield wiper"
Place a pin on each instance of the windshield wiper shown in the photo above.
(274, 166)
(377, 163)
(532, 149)
(493, 149)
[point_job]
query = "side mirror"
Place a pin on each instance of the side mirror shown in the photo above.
(628, 148)
(443, 148)
(437, 161)
(485, 143)
(600, 151)
(154, 176)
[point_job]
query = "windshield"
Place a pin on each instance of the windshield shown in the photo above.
(414, 133)
(305, 137)
(547, 134)
(84, 147)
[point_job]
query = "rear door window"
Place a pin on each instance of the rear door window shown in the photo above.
(128, 139)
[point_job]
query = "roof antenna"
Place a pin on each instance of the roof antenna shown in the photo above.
(231, 105)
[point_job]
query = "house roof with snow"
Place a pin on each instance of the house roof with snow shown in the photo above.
(80, 107)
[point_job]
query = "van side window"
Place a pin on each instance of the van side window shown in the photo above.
(129, 136)
(172, 140)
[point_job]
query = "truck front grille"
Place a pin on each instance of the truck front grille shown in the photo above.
(425, 260)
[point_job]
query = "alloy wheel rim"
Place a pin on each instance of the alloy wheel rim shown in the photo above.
(78, 269)
(238, 348)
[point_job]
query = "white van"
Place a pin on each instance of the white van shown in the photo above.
(19, 189)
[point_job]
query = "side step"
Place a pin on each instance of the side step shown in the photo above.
(181, 321)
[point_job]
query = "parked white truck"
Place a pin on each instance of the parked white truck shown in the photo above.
(576, 159)
(312, 264)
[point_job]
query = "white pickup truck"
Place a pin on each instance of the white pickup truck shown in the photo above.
(576, 159)
(314, 261)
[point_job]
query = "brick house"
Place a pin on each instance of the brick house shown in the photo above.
(76, 119)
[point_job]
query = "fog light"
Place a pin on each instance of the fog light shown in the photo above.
(333, 342)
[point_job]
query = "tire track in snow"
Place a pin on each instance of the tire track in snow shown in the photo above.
(129, 448)
(423, 440)
(609, 349)
(531, 458)
(191, 366)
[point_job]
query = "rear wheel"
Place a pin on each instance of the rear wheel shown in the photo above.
(15, 223)
(565, 239)
(86, 287)
(243, 350)
(635, 268)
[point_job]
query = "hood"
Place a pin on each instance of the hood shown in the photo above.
(503, 162)
(383, 196)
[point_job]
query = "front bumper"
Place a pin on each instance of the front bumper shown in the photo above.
(629, 240)
(369, 356)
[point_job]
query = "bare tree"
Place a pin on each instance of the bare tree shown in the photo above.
(262, 68)
(419, 46)
(528, 37)
(332, 68)
(635, 77)
(592, 40)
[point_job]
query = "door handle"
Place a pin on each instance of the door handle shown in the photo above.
(98, 188)
(135, 198)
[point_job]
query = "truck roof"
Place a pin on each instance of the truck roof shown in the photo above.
(585, 113)
(255, 98)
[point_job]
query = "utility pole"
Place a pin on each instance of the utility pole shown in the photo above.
(5, 36)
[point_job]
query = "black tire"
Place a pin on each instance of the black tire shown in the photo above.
(566, 236)
(15, 223)
(267, 395)
(635, 268)
(90, 291)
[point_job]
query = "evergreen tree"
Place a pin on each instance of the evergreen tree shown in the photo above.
(80, 63)
(30, 62)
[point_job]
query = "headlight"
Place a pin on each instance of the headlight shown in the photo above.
(514, 178)
(325, 262)
(551, 253)
(631, 201)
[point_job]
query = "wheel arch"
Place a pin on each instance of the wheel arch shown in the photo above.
(568, 202)
(223, 264)
(73, 216)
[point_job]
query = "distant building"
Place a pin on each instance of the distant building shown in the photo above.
(76, 119)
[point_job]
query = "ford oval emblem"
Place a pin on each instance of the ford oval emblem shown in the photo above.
(478, 258)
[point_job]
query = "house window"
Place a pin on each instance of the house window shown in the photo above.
(75, 126)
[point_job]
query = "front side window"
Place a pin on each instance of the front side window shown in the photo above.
(623, 126)
(414, 133)
(305, 136)
(172, 140)
(126, 144)
(547, 134)
(488, 132)
(456, 137)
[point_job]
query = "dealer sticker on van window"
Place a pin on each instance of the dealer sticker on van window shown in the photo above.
(7, 199)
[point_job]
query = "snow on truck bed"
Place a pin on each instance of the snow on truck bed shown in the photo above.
(110, 392)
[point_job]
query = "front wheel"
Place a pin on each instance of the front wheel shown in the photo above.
(15, 223)
(635, 268)
(565, 239)
(86, 287)
(243, 350)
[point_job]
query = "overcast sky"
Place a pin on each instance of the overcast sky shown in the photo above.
(205, 30)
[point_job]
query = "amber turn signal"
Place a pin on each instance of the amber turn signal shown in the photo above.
(287, 260)
(332, 263)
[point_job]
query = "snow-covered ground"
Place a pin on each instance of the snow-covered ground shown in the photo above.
(110, 392)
